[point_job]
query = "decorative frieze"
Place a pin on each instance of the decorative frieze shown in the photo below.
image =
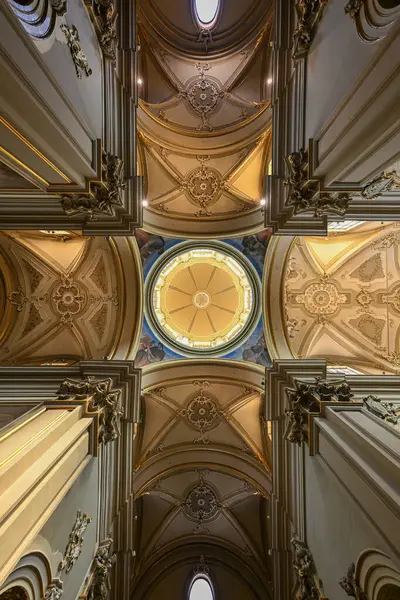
(102, 195)
(389, 412)
(304, 194)
(100, 580)
(74, 547)
(310, 586)
(78, 56)
(308, 398)
(101, 398)
(309, 12)
(351, 585)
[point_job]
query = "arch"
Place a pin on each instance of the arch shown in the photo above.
(32, 573)
(378, 575)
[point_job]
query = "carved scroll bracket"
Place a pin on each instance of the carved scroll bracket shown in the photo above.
(309, 13)
(104, 16)
(310, 586)
(102, 195)
(101, 398)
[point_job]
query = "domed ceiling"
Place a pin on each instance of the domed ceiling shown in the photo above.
(204, 117)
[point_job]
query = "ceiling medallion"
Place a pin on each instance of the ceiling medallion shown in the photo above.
(202, 300)
(203, 186)
(203, 95)
(202, 414)
(201, 503)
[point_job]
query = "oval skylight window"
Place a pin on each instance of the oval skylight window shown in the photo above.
(206, 11)
(201, 590)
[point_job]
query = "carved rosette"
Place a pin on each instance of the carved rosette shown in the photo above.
(101, 399)
(203, 187)
(102, 195)
(203, 95)
(77, 54)
(310, 586)
(309, 12)
(304, 193)
(68, 299)
(308, 398)
(102, 563)
(201, 503)
(75, 543)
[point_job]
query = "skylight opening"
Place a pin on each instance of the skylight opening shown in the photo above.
(201, 589)
(343, 225)
(206, 12)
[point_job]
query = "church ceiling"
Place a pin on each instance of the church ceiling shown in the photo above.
(204, 128)
(342, 298)
(202, 465)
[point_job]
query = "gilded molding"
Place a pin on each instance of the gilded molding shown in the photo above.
(305, 194)
(350, 584)
(307, 398)
(100, 581)
(103, 195)
(309, 13)
(74, 547)
(77, 54)
(310, 586)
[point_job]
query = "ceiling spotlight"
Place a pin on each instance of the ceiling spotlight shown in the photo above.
(145, 203)
(139, 81)
(269, 80)
(262, 202)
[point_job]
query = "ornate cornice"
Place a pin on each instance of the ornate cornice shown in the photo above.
(102, 195)
(310, 586)
(102, 399)
(309, 13)
(307, 399)
(305, 194)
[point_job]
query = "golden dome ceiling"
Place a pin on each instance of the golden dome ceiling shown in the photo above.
(202, 298)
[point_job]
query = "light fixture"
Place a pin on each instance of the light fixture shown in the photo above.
(262, 202)
(145, 203)
(269, 80)
(139, 81)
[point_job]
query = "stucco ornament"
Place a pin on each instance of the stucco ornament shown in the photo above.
(310, 586)
(304, 193)
(103, 561)
(306, 398)
(309, 12)
(102, 195)
(54, 590)
(201, 502)
(387, 411)
(75, 543)
(203, 186)
(321, 298)
(350, 584)
(202, 414)
(68, 299)
(77, 54)
(353, 7)
(203, 95)
(101, 398)
(378, 186)
(104, 17)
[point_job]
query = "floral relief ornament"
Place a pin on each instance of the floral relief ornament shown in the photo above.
(78, 56)
(74, 547)
(54, 590)
(103, 561)
(203, 95)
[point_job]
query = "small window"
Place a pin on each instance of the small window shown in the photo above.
(206, 12)
(343, 225)
(343, 370)
(201, 589)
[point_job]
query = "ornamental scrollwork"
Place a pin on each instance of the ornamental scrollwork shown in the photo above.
(103, 195)
(68, 299)
(203, 95)
(380, 185)
(306, 398)
(202, 414)
(54, 590)
(310, 586)
(75, 543)
(389, 412)
(77, 54)
(305, 195)
(350, 584)
(101, 398)
(309, 12)
(100, 581)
